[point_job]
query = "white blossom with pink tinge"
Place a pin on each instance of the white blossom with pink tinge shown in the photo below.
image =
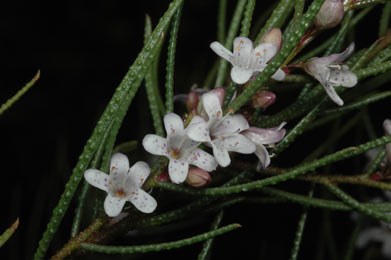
(123, 184)
(179, 149)
(330, 72)
(261, 137)
(220, 132)
(246, 60)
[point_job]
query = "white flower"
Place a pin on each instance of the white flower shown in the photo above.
(261, 137)
(222, 133)
(177, 147)
(330, 73)
(378, 234)
(123, 184)
(246, 60)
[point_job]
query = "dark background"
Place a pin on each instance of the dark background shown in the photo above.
(83, 49)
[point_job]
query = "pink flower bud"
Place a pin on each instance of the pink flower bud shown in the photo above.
(330, 14)
(263, 99)
(192, 101)
(220, 92)
(197, 177)
(273, 36)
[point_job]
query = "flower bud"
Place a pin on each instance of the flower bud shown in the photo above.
(330, 14)
(220, 92)
(263, 99)
(387, 130)
(273, 36)
(192, 101)
(197, 177)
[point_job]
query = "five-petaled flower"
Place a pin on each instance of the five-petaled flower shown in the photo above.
(220, 132)
(246, 60)
(330, 72)
(261, 137)
(179, 149)
(123, 184)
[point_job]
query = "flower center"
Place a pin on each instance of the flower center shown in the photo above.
(120, 193)
(174, 153)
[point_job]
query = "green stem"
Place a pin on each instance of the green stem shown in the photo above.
(75, 242)
(171, 61)
(19, 94)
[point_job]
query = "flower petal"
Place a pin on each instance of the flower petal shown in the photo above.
(198, 130)
(343, 78)
(221, 156)
(178, 171)
(264, 136)
(338, 58)
(263, 156)
(263, 53)
(97, 178)
(241, 75)
(155, 144)
(371, 234)
(220, 50)
(243, 48)
(279, 75)
(119, 164)
(139, 172)
(113, 205)
(236, 143)
(230, 125)
(202, 160)
(212, 106)
(173, 123)
(143, 201)
(333, 95)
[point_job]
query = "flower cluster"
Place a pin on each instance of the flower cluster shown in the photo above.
(210, 127)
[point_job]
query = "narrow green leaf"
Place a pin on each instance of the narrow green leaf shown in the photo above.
(9, 232)
(385, 18)
(207, 247)
(122, 98)
(160, 246)
(149, 82)
(277, 18)
(19, 94)
(171, 61)
(221, 20)
(247, 18)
